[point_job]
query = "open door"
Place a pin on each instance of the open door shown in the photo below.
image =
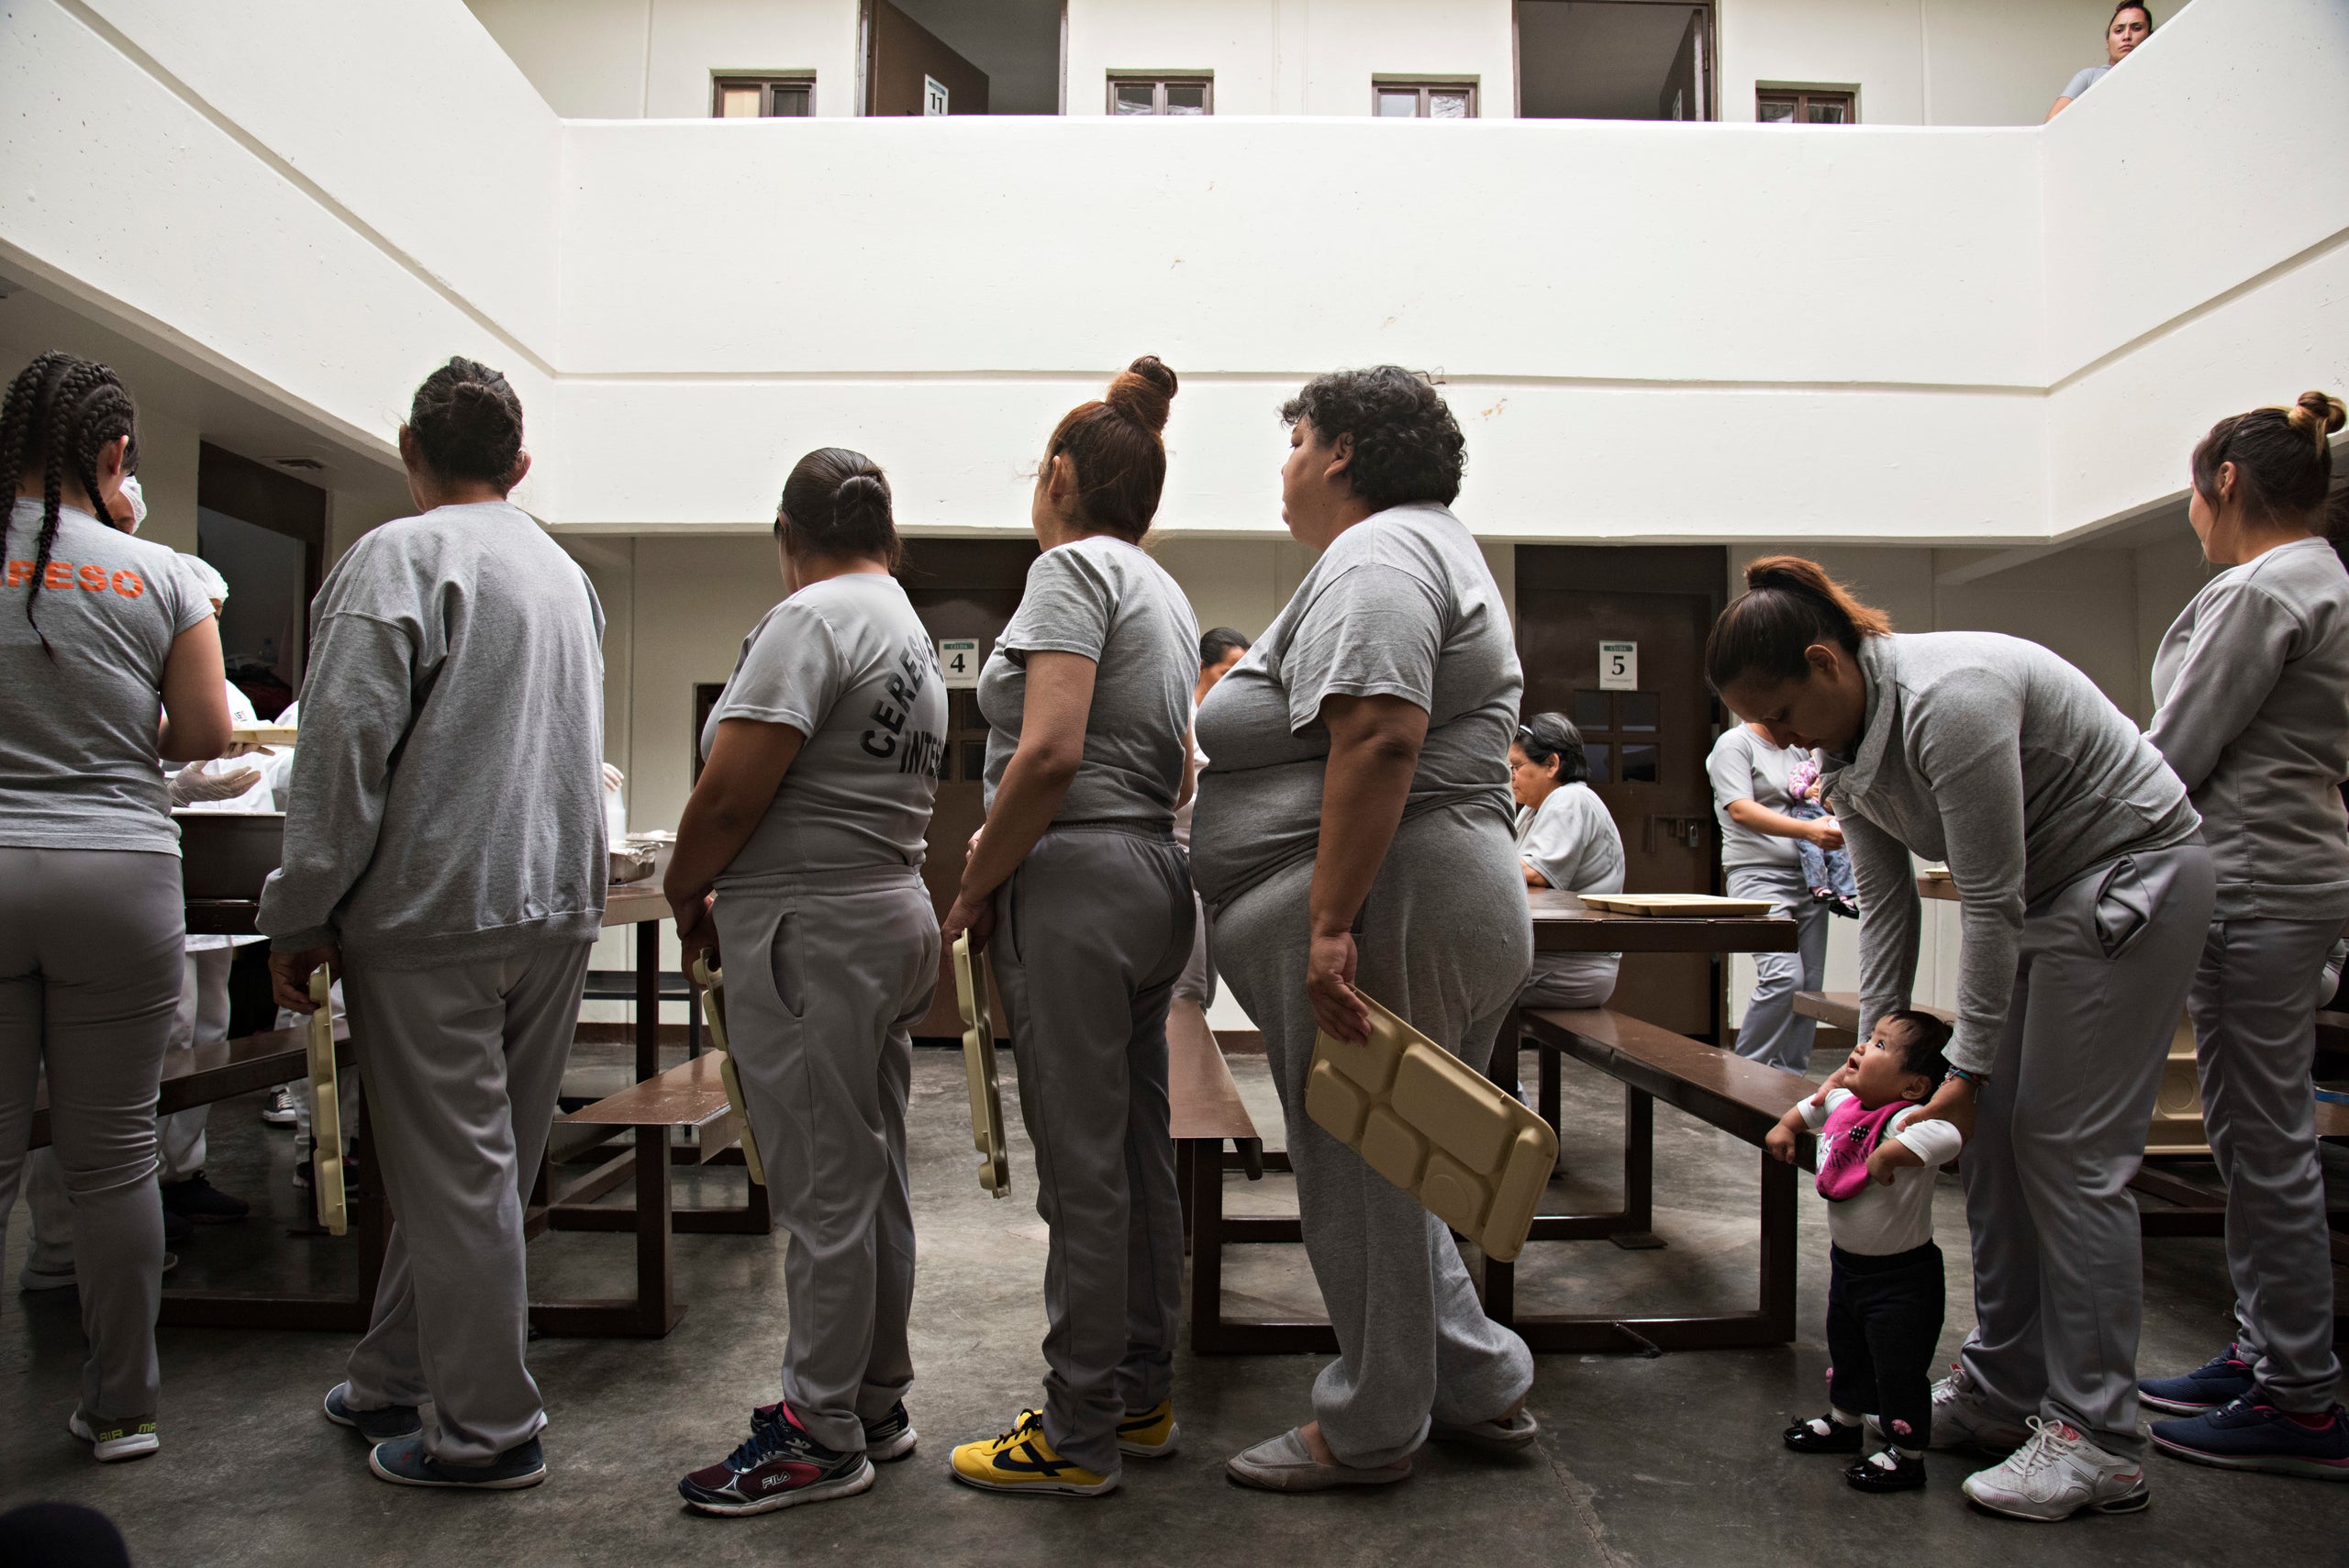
(908, 70)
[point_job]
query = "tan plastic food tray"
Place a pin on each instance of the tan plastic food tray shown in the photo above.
(1442, 1132)
(713, 1009)
(326, 1110)
(970, 994)
(264, 734)
(1684, 905)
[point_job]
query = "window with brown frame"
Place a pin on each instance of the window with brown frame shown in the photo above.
(1423, 100)
(763, 97)
(1804, 105)
(1141, 93)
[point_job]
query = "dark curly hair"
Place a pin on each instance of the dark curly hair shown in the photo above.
(468, 422)
(1408, 447)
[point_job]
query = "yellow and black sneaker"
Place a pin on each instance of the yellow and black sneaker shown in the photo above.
(1150, 1435)
(1022, 1460)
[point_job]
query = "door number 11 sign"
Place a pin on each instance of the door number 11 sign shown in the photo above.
(1618, 666)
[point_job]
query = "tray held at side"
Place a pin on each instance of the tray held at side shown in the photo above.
(971, 993)
(713, 1007)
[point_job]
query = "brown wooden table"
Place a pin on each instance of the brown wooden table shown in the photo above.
(1563, 923)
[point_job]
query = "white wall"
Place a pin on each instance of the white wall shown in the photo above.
(1238, 41)
(656, 59)
(1949, 63)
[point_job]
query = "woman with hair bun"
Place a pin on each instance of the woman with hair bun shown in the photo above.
(2249, 710)
(1353, 840)
(98, 630)
(1566, 839)
(445, 853)
(820, 763)
(1076, 879)
(2086, 892)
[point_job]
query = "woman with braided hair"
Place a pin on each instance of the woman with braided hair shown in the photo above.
(96, 629)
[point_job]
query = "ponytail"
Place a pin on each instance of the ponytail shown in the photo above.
(1117, 450)
(59, 413)
(837, 503)
(1789, 606)
(2282, 456)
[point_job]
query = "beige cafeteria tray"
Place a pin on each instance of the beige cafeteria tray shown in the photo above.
(1422, 1119)
(978, 1068)
(1685, 904)
(326, 1110)
(713, 1009)
(264, 734)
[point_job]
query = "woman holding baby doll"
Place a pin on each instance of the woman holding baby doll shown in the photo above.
(2086, 892)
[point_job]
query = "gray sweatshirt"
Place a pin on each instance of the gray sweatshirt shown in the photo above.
(1995, 755)
(447, 801)
(2251, 693)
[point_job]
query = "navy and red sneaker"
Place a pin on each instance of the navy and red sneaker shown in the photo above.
(2220, 1381)
(780, 1464)
(2251, 1434)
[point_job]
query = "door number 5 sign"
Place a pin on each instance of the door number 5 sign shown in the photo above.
(958, 659)
(1618, 666)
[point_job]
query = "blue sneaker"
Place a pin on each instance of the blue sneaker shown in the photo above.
(2251, 1434)
(403, 1463)
(2220, 1381)
(376, 1426)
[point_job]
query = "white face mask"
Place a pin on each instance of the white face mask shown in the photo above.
(138, 499)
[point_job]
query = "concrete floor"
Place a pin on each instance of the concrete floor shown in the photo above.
(1643, 1462)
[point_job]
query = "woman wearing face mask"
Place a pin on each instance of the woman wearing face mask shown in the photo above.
(1076, 875)
(1353, 840)
(2251, 715)
(2086, 892)
(820, 763)
(96, 631)
(2131, 25)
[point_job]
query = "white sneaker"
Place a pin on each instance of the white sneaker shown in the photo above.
(129, 1439)
(2055, 1475)
(1962, 1418)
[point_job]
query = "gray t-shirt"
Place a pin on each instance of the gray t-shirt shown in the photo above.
(847, 663)
(2251, 693)
(2083, 79)
(1110, 602)
(79, 768)
(1571, 841)
(1400, 605)
(1746, 766)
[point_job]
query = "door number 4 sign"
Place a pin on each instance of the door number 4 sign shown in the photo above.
(958, 659)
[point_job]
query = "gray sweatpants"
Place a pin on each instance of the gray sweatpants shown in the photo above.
(826, 976)
(90, 960)
(1571, 980)
(1772, 1033)
(2059, 1282)
(2254, 1003)
(1090, 933)
(461, 1064)
(1444, 942)
(1197, 983)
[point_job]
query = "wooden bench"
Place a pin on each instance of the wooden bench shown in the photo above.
(1206, 1113)
(209, 1074)
(692, 1096)
(1742, 1098)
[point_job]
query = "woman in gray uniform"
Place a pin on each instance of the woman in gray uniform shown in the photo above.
(1076, 875)
(95, 629)
(1354, 831)
(2086, 892)
(2251, 684)
(1748, 770)
(1565, 839)
(444, 852)
(821, 761)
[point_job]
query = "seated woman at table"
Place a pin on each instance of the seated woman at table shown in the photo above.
(97, 629)
(1566, 839)
(445, 853)
(809, 820)
(1352, 831)
(2086, 892)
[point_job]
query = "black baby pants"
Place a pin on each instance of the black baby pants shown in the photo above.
(1883, 1318)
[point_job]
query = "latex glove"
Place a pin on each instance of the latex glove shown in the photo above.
(613, 777)
(192, 783)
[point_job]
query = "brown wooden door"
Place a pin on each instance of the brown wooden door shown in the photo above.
(1647, 746)
(960, 588)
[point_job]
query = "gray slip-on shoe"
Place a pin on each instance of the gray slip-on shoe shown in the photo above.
(376, 1426)
(1284, 1464)
(1506, 1434)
